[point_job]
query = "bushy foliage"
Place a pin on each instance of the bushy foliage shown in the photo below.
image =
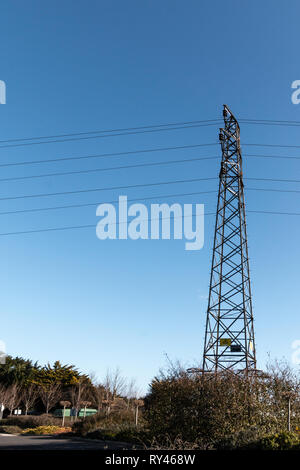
(58, 373)
(241, 439)
(10, 429)
(115, 422)
(127, 435)
(46, 430)
(17, 371)
(31, 421)
(278, 441)
(223, 410)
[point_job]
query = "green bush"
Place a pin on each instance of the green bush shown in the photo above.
(280, 441)
(118, 426)
(115, 422)
(196, 409)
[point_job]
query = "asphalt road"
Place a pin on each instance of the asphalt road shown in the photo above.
(13, 442)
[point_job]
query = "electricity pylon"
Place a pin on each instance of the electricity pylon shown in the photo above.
(229, 336)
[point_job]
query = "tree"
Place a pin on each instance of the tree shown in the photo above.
(131, 392)
(13, 397)
(63, 374)
(114, 385)
(29, 394)
(50, 394)
(17, 370)
(3, 397)
(78, 393)
(98, 394)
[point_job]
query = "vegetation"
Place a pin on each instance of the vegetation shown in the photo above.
(224, 410)
(46, 430)
(181, 411)
(10, 429)
(25, 422)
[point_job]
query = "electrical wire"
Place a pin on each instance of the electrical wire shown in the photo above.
(106, 189)
(105, 155)
(89, 204)
(96, 170)
(103, 131)
(107, 135)
(52, 229)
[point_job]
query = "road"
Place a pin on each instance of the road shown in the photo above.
(15, 442)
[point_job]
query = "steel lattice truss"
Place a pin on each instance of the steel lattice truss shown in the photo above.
(229, 336)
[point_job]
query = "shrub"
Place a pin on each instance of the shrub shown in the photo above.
(115, 422)
(44, 430)
(279, 441)
(88, 424)
(196, 408)
(31, 421)
(126, 435)
(177, 444)
(239, 439)
(10, 429)
(134, 436)
(222, 410)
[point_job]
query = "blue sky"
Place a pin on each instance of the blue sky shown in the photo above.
(81, 66)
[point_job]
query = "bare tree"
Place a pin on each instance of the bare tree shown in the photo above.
(29, 396)
(78, 393)
(13, 397)
(98, 395)
(114, 385)
(132, 392)
(50, 394)
(3, 397)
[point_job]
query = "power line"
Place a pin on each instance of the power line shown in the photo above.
(25, 141)
(136, 152)
(95, 170)
(52, 229)
(270, 122)
(273, 179)
(105, 155)
(72, 206)
(111, 130)
(273, 145)
(89, 204)
(122, 167)
(274, 212)
(274, 190)
(150, 126)
(107, 135)
(106, 189)
(110, 188)
(284, 157)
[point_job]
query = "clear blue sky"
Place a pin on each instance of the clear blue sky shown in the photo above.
(81, 66)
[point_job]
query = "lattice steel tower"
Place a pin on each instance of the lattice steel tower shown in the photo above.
(229, 336)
